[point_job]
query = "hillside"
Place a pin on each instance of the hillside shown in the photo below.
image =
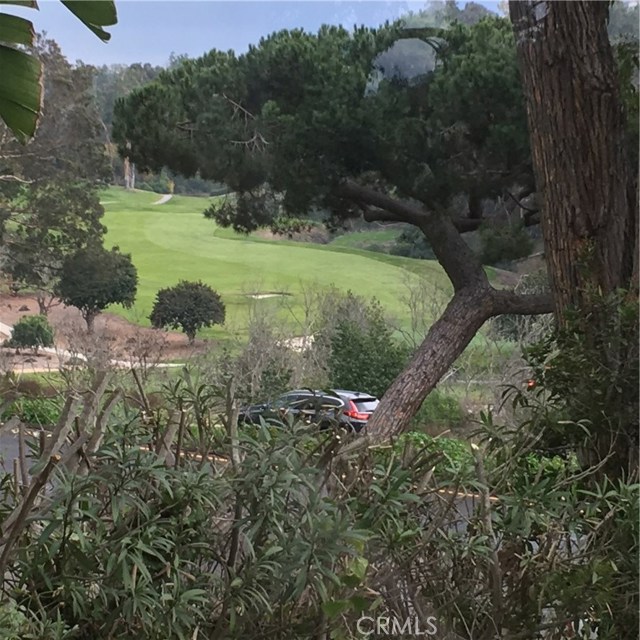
(173, 241)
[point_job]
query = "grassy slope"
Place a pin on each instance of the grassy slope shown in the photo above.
(360, 239)
(174, 241)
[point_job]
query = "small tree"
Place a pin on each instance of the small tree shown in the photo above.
(188, 306)
(363, 353)
(93, 278)
(32, 332)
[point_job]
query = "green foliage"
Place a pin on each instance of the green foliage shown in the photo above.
(318, 115)
(439, 409)
(158, 183)
(118, 80)
(189, 306)
(21, 89)
(564, 497)
(456, 454)
(156, 553)
(54, 219)
(364, 355)
(93, 278)
(505, 243)
(290, 536)
(587, 380)
(32, 332)
(35, 411)
(413, 244)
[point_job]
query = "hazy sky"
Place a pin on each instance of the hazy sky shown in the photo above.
(150, 30)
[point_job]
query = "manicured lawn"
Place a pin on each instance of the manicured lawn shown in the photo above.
(362, 239)
(173, 241)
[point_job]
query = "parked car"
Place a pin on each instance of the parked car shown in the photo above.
(305, 405)
(358, 407)
(349, 409)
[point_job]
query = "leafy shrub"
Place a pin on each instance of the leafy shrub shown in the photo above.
(456, 452)
(363, 354)
(188, 306)
(164, 562)
(504, 243)
(411, 243)
(32, 332)
(587, 388)
(40, 411)
(439, 409)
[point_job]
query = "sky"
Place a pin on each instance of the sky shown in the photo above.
(150, 30)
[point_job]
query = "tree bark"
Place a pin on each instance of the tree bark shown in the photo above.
(577, 129)
(89, 317)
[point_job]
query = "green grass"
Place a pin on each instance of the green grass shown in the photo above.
(364, 239)
(173, 241)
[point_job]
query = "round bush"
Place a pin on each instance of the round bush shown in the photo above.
(32, 332)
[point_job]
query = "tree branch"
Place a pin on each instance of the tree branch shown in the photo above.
(529, 304)
(12, 178)
(384, 208)
(453, 253)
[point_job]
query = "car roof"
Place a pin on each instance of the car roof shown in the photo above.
(353, 395)
(309, 392)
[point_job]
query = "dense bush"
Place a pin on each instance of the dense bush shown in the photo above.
(35, 411)
(293, 536)
(504, 243)
(587, 388)
(189, 306)
(364, 356)
(439, 409)
(32, 332)
(411, 243)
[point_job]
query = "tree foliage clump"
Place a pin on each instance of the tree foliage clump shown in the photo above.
(593, 384)
(94, 278)
(298, 114)
(32, 332)
(189, 306)
(364, 356)
(49, 193)
(503, 244)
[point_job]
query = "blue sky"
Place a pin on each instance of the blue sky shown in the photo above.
(150, 30)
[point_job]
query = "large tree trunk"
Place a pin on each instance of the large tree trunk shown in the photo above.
(445, 341)
(467, 311)
(474, 302)
(590, 208)
(577, 130)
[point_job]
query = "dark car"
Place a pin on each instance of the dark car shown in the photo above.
(358, 407)
(300, 405)
(347, 409)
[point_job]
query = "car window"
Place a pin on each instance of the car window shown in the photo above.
(366, 405)
(332, 403)
(285, 401)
